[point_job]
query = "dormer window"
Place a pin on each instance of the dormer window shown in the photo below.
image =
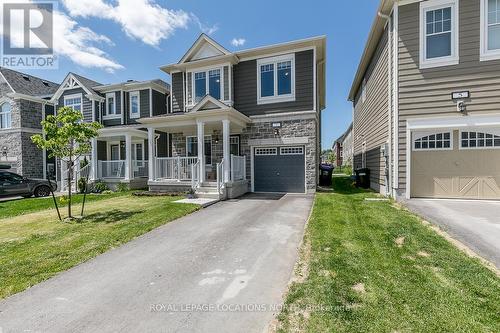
(202, 85)
(276, 79)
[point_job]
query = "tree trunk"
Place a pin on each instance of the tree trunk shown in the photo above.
(70, 174)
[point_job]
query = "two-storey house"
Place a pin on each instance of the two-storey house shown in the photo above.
(426, 99)
(119, 154)
(24, 103)
(241, 121)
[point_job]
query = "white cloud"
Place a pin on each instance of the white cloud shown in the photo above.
(236, 42)
(143, 20)
(203, 27)
(77, 43)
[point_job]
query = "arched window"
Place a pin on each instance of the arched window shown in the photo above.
(478, 140)
(433, 141)
(5, 116)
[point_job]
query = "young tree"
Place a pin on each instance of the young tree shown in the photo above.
(67, 137)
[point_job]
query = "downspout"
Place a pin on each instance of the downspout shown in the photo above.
(388, 150)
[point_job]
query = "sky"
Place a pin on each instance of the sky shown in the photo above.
(112, 41)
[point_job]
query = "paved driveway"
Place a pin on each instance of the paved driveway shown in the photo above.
(233, 254)
(474, 223)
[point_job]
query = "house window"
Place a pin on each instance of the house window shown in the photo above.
(234, 145)
(134, 105)
(438, 33)
(435, 141)
(292, 151)
(5, 116)
(266, 151)
(137, 154)
(490, 29)
(478, 140)
(276, 79)
(212, 85)
(74, 102)
(111, 105)
(192, 148)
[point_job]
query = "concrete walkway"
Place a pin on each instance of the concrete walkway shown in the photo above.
(474, 223)
(221, 269)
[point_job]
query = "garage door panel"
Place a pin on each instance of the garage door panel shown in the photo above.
(279, 173)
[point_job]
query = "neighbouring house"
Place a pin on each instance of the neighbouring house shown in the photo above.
(119, 154)
(241, 121)
(426, 101)
(347, 147)
(338, 151)
(24, 103)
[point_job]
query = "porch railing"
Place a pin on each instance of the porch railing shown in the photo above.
(220, 176)
(238, 168)
(111, 169)
(195, 171)
(141, 168)
(175, 168)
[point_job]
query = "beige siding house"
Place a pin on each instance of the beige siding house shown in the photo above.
(434, 117)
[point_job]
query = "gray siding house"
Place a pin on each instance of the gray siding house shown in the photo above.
(426, 102)
(119, 154)
(24, 103)
(241, 121)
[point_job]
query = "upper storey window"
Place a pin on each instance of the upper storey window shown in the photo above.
(111, 111)
(276, 79)
(73, 101)
(5, 116)
(490, 29)
(202, 84)
(438, 33)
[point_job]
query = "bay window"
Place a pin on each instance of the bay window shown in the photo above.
(438, 33)
(276, 79)
(490, 29)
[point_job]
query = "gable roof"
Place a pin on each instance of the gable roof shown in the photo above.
(203, 40)
(26, 84)
(376, 33)
(209, 103)
(83, 82)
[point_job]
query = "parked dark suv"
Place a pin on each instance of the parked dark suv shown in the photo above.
(12, 184)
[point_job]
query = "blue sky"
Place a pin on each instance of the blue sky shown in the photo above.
(108, 51)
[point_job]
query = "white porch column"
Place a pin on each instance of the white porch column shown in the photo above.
(93, 160)
(151, 154)
(225, 148)
(128, 157)
(201, 149)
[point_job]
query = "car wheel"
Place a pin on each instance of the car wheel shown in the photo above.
(42, 191)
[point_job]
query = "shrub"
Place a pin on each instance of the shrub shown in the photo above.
(82, 184)
(122, 187)
(100, 187)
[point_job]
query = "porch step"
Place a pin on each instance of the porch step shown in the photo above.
(207, 192)
(209, 184)
(206, 195)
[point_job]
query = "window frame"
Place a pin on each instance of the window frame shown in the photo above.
(477, 131)
(74, 96)
(131, 95)
(419, 135)
(274, 61)
(108, 114)
(206, 70)
(231, 137)
(452, 59)
(485, 54)
(2, 113)
(266, 151)
(204, 142)
(293, 151)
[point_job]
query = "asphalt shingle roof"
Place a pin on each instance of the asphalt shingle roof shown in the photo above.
(28, 84)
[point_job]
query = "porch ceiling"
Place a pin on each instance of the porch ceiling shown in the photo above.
(120, 132)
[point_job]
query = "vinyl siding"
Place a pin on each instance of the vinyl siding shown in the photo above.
(86, 103)
(427, 92)
(226, 83)
(245, 87)
(159, 103)
(371, 122)
(177, 92)
(118, 106)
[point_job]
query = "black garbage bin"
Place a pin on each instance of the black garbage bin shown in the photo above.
(325, 175)
(363, 178)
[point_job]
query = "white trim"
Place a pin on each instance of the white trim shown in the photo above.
(70, 82)
(266, 151)
(408, 162)
(455, 122)
(2, 103)
(453, 59)
(205, 70)
(134, 94)
(108, 114)
(293, 151)
(274, 61)
(421, 134)
(395, 88)
(485, 54)
(122, 109)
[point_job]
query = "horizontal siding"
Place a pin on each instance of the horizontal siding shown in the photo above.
(428, 91)
(371, 122)
(245, 87)
(159, 103)
(177, 92)
(87, 104)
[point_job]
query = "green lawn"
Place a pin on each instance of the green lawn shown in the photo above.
(24, 206)
(377, 268)
(36, 246)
